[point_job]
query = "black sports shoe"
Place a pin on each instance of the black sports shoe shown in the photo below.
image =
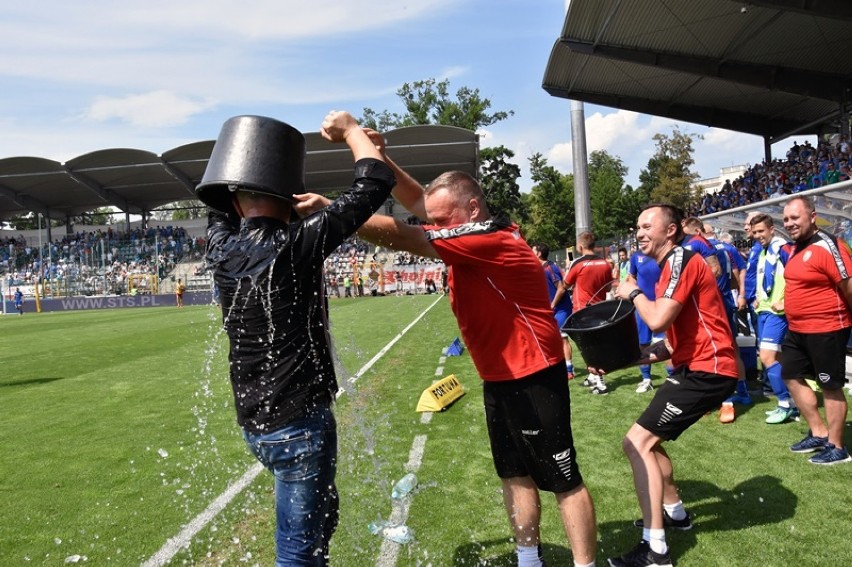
(669, 522)
(642, 556)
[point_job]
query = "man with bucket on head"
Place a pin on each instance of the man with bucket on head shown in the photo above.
(590, 277)
(268, 265)
(688, 307)
(498, 294)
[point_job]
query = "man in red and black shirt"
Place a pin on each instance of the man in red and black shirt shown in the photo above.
(590, 277)
(688, 307)
(816, 302)
(499, 297)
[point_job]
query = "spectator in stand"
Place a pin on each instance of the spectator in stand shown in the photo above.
(560, 300)
(817, 302)
(589, 277)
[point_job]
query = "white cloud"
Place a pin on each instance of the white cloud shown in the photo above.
(154, 109)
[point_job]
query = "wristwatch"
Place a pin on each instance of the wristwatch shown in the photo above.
(633, 294)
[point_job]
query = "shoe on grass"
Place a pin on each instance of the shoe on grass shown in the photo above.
(809, 444)
(669, 522)
(570, 375)
(642, 556)
(600, 390)
(831, 455)
(781, 415)
(644, 386)
(727, 414)
(742, 399)
(588, 383)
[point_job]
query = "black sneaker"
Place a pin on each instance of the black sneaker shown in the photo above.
(642, 556)
(600, 390)
(669, 522)
(810, 444)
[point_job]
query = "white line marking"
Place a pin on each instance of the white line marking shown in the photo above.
(387, 347)
(399, 512)
(184, 537)
(182, 540)
(439, 371)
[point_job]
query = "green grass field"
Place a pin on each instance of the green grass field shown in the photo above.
(117, 429)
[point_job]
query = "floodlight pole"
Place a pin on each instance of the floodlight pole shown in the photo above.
(582, 206)
(103, 264)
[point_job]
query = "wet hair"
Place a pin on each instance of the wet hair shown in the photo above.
(761, 218)
(586, 239)
(671, 215)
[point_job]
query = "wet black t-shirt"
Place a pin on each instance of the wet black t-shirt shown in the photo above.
(269, 274)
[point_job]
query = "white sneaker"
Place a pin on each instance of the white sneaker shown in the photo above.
(644, 386)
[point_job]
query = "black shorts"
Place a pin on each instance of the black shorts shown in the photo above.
(683, 399)
(529, 425)
(821, 356)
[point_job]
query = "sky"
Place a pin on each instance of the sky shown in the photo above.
(77, 77)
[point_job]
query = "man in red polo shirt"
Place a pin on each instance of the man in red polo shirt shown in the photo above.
(590, 277)
(816, 301)
(688, 307)
(499, 297)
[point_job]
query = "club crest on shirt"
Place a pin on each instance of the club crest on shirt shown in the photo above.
(806, 256)
(823, 377)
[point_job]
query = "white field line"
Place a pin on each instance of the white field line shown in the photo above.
(175, 544)
(388, 346)
(184, 537)
(399, 513)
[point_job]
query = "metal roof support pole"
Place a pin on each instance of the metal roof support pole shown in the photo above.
(767, 149)
(582, 206)
(844, 115)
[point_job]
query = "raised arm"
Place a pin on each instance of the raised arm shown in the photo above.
(407, 190)
(340, 126)
(387, 231)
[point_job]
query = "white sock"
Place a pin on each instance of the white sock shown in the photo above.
(592, 564)
(646, 534)
(657, 541)
(676, 511)
(784, 404)
(528, 556)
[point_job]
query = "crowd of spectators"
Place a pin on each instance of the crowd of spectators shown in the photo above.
(804, 167)
(98, 260)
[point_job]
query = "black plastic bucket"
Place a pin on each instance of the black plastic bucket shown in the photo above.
(606, 334)
(253, 153)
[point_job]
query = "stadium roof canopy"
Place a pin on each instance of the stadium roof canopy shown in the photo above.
(138, 181)
(767, 67)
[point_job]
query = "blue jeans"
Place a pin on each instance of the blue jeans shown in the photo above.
(303, 458)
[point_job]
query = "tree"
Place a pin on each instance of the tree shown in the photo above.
(429, 102)
(673, 161)
(607, 193)
(550, 205)
(181, 210)
(500, 183)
